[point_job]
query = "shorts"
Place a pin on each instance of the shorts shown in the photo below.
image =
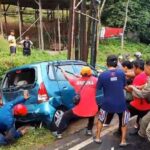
(12, 50)
(26, 52)
(125, 116)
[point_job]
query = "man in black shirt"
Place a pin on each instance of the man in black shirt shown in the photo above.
(26, 46)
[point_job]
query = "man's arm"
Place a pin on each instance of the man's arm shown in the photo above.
(21, 100)
(71, 80)
(31, 42)
(21, 42)
(130, 74)
(144, 93)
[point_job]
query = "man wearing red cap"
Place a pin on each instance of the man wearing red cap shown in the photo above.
(8, 131)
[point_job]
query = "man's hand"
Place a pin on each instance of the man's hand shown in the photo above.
(62, 70)
(129, 88)
(140, 87)
(26, 94)
(24, 129)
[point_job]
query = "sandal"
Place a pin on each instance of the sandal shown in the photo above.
(123, 144)
(98, 141)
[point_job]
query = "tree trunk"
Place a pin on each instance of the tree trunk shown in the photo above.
(100, 10)
(125, 24)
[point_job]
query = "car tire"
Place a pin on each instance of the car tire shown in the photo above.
(57, 118)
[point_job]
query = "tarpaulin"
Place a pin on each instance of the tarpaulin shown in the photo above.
(108, 32)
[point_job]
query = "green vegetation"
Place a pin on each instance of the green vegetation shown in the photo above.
(36, 138)
(113, 46)
(138, 17)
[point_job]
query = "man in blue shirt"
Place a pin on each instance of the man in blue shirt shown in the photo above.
(112, 82)
(8, 131)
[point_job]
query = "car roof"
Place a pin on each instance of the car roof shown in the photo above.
(60, 62)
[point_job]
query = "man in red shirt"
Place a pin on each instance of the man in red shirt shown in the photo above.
(87, 107)
(139, 106)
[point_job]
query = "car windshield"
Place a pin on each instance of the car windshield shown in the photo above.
(19, 78)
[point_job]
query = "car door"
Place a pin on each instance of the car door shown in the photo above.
(66, 90)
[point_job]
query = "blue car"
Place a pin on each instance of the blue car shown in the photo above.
(50, 93)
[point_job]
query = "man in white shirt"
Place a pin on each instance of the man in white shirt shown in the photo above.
(12, 42)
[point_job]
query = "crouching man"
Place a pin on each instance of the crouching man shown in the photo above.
(8, 132)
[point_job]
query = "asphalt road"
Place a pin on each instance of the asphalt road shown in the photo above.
(77, 139)
(111, 142)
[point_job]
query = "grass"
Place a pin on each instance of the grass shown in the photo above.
(34, 139)
(40, 137)
(112, 46)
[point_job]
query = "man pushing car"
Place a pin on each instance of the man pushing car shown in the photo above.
(85, 100)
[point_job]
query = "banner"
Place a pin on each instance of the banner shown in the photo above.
(108, 32)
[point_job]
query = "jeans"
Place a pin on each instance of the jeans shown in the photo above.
(9, 136)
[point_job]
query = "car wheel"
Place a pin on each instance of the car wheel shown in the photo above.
(57, 118)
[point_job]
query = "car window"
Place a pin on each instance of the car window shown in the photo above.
(51, 73)
(19, 78)
(79, 67)
(67, 68)
(71, 70)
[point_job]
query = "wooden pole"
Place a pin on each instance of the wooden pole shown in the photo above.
(20, 21)
(55, 37)
(77, 36)
(5, 19)
(2, 31)
(59, 34)
(94, 33)
(89, 31)
(41, 25)
(71, 29)
(38, 28)
(83, 33)
(21, 16)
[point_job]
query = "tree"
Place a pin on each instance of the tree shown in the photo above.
(125, 24)
(138, 17)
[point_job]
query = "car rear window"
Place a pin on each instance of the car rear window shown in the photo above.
(19, 78)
